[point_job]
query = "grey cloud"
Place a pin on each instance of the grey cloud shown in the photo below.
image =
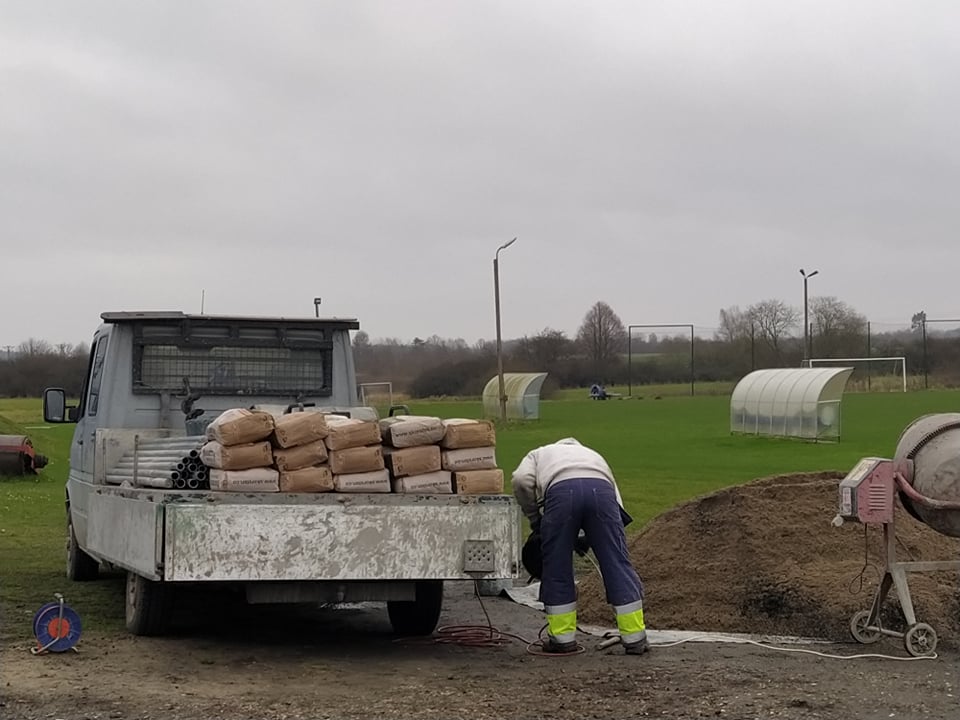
(670, 158)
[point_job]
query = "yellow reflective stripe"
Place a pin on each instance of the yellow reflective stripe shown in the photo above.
(562, 627)
(630, 623)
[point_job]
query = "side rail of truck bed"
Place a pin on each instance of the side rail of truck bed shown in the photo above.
(190, 536)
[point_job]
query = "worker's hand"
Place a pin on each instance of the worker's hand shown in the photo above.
(581, 546)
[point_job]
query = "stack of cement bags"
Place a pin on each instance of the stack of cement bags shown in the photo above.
(300, 453)
(412, 454)
(356, 456)
(469, 452)
(238, 452)
(429, 455)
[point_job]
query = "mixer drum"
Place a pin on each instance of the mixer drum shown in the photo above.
(932, 442)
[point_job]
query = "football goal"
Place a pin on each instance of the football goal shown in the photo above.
(874, 369)
(376, 394)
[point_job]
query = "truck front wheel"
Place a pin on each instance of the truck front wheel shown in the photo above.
(420, 616)
(148, 605)
(80, 566)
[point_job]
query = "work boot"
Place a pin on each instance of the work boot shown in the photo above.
(636, 648)
(553, 647)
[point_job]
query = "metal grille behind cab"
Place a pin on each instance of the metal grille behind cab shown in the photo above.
(225, 370)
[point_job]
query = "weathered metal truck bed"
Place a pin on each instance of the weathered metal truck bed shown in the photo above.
(213, 536)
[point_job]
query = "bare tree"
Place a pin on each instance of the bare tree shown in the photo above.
(838, 328)
(734, 324)
(773, 320)
(918, 320)
(33, 348)
(544, 349)
(602, 336)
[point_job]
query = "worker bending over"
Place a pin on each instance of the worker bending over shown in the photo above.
(575, 489)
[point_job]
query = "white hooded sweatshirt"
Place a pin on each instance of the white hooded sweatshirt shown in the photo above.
(563, 460)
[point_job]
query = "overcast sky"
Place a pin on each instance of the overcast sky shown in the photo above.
(671, 158)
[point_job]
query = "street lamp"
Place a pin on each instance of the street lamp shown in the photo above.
(806, 314)
(316, 306)
(496, 299)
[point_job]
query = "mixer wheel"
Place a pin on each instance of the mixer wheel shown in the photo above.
(920, 640)
(861, 633)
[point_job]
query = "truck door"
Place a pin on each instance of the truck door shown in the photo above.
(86, 432)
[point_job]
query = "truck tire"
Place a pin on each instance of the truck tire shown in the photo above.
(80, 566)
(148, 605)
(420, 616)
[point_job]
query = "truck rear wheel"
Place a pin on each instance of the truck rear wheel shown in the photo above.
(420, 616)
(148, 605)
(80, 566)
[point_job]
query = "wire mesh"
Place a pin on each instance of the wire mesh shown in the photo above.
(226, 370)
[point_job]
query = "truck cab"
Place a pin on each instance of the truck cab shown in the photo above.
(164, 375)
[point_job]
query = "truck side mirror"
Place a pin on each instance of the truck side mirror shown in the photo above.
(55, 408)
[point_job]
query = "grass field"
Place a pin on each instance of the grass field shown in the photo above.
(662, 451)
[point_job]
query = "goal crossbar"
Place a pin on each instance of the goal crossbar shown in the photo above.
(900, 358)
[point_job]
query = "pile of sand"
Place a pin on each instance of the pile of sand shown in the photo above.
(763, 558)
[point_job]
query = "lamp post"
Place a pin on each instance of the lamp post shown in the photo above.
(806, 314)
(316, 306)
(496, 300)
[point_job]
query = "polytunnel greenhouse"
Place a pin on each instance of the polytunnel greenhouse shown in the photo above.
(790, 402)
(523, 395)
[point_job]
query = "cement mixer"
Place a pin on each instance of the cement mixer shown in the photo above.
(925, 475)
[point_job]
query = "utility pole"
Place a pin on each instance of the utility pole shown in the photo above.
(806, 313)
(496, 299)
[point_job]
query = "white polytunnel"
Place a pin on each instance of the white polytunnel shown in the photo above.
(790, 402)
(523, 395)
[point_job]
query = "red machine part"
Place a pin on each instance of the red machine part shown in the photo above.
(17, 456)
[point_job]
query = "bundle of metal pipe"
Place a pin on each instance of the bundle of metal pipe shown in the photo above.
(163, 463)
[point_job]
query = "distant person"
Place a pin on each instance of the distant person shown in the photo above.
(575, 488)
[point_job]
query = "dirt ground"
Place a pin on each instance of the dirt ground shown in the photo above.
(273, 664)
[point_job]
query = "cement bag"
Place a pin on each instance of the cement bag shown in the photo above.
(432, 483)
(254, 480)
(315, 479)
(478, 482)
(299, 428)
(461, 433)
(484, 458)
(301, 456)
(356, 460)
(408, 430)
(348, 432)
(236, 457)
(412, 460)
(239, 426)
(377, 481)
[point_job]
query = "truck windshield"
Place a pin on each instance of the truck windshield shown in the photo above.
(241, 363)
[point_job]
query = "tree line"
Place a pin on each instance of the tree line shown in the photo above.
(31, 366)
(766, 334)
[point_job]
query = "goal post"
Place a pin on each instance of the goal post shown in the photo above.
(896, 360)
(376, 394)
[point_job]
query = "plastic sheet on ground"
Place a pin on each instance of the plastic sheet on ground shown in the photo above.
(528, 595)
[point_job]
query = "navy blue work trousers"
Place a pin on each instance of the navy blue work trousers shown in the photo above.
(588, 504)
